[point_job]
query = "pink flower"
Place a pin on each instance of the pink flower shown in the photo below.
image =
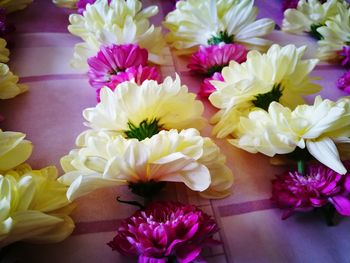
(81, 5)
(112, 59)
(210, 59)
(136, 73)
(317, 188)
(289, 4)
(207, 88)
(165, 231)
(345, 55)
(343, 82)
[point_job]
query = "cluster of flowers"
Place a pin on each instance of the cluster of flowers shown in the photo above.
(143, 133)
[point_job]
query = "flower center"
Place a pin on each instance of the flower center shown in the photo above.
(216, 68)
(146, 129)
(222, 37)
(264, 100)
(147, 189)
(314, 33)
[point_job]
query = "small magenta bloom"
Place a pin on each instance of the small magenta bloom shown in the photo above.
(210, 59)
(343, 82)
(112, 59)
(207, 88)
(289, 4)
(137, 74)
(345, 56)
(319, 186)
(165, 231)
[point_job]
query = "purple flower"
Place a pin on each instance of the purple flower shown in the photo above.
(81, 5)
(165, 231)
(210, 59)
(207, 88)
(345, 56)
(318, 187)
(5, 28)
(112, 59)
(137, 74)
(289, 4)
(343, 82)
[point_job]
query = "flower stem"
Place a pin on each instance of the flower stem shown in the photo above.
(134, 203)
(329, 213)
(301, 167)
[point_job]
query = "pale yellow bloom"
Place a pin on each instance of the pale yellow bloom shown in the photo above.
(65, 3)
(170, 156)
(9, 87)
(14, 5)
(14, 149)
(169, 103)
(120, 22)
(318, 128)
(308, 13)
(335, 35)
(33, 206)
(4, 52)
(280, 71)
(195, 22)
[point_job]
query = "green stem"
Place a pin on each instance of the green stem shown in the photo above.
(329, 213)
(134, 203)
(301, 167)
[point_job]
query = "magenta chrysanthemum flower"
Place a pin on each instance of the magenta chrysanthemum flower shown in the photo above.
(81, 5)
(345, 56)
(210, 59)
(165, 231)
(137, 74)
(343, 82)
(112, 59)
(317, 188)
(287, 4)
(207, 88)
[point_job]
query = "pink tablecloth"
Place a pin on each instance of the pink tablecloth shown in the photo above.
(50, 115)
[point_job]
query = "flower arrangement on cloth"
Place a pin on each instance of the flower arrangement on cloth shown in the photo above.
(310, 15)
(209, 22)
(318, 187)
(33, 204)
(116, 64)
(166, 232)
(279, 75)
(117, 22)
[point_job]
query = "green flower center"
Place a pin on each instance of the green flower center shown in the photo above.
(216, 68)
(146, 129)
(147, 189)
(222, 37)
(314, 33)
(264, 100)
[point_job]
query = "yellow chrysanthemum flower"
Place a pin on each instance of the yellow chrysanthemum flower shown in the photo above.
(66, 3)
(318, 128)
(14, 5)
(14, 150)
(335, 35)
(309, 15)
(195, 23)
(141, 111)
(4, 52)
(34, 206)
(9, 87)
(279, 75)
(120, 22)
(169, 156)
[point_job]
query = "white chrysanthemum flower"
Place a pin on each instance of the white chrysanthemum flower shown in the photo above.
(195, 23)
(141, 111)
(34, 206)
(309, 15)
(66, 3)
(14, 5)
(335, 35)
(169, 156)
(120, 22)
(14, 149)
(318, 128)
(9, 87)
(279, 75)
(4, 52)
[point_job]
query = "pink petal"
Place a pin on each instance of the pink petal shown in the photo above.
(341, 204)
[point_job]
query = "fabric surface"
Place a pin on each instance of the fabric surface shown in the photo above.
(50, 114)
